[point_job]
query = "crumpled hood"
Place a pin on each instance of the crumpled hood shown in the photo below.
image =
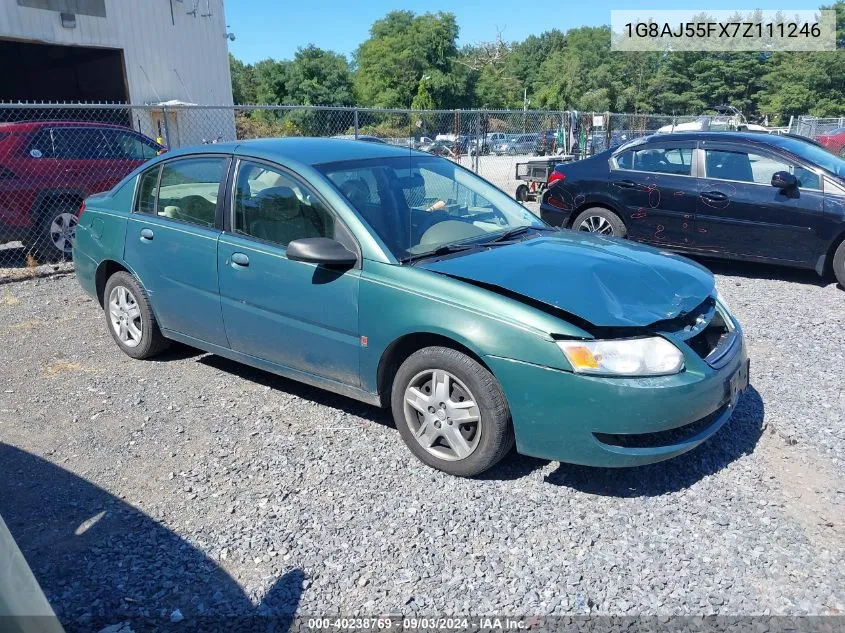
(606, 281)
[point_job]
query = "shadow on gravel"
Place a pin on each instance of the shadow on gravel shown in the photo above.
(300, 390)
(737, 438)
(102, 562)
(753, 270)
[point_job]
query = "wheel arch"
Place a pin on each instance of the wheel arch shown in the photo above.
(825, 264)
(105, 270)
(47, 196)
(401, 348)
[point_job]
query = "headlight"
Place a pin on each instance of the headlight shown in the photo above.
(652, 356)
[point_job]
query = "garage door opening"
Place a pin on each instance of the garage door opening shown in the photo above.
(64, 74)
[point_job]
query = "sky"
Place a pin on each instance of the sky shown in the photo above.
(276, 28)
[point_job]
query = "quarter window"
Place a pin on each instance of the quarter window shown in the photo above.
(272, 206)
(147, 191)
(658, 160)
(757, 168)
(188, 190)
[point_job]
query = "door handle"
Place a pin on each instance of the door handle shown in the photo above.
(625, 184)
(147, 235)
(714, 195)
(240, 260)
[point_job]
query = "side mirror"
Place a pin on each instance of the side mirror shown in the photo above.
(323, 251)
(784, 180)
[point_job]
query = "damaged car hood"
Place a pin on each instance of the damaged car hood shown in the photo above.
(605, 281)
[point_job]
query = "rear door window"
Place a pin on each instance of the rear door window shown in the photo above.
(658, 160)
(80, 143)
(188, 189)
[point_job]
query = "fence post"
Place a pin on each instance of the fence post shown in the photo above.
(356, 122)
(479, 142)
(167, 143)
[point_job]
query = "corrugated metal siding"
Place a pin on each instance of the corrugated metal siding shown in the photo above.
(156, 51)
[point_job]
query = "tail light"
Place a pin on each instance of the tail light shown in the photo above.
(556, 176)
(81, 209)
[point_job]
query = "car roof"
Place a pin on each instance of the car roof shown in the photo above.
(300, 149)
(707, 136)
(315, 151)
(28, 126)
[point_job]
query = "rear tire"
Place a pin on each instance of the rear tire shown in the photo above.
(56, 228)
(130, 319)
(433, 390)
(601, 221)
(522, 193)
(839, 264)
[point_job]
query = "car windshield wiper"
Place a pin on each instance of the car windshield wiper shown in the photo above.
(446, 249)
(516, 232)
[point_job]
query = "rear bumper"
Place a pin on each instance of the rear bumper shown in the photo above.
(553, 216)
(85, 268)
(615, 422)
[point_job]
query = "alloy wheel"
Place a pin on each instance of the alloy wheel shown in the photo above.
(62, 232)
(596, 224)
(443, 415)
(125, 316)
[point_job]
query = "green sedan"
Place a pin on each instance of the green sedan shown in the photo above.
(403, 280)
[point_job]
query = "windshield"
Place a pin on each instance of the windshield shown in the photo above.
(417, 204)
(812, 153)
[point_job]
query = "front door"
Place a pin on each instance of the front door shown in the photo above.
(171, 244)
(739, 212)
(293, 314)
(655, 182)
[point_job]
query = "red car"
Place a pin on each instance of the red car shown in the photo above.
(834, 141)
(48, 167)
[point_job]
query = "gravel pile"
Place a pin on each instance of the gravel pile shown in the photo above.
(195, 486)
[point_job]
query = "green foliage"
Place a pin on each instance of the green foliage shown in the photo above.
(413, 60)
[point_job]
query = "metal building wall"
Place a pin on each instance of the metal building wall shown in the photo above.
(168, 53)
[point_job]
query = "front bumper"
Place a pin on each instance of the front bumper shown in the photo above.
(613, 422)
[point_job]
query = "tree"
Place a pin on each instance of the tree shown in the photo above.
(401, 50)
(807, 82)
(318, 77)
(243, 81)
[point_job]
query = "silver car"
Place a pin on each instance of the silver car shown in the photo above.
(519, 144)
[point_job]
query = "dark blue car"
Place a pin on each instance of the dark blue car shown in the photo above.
(730, 195)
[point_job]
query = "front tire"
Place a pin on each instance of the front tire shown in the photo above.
(839, 264)
(451, 412)
(600, 220)
(130, 319)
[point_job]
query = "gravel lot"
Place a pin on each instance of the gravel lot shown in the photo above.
(198, 485)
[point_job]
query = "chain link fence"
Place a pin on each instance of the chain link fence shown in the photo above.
(54, 155)
(830, 132)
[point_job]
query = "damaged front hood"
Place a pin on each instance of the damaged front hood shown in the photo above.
(605, 281)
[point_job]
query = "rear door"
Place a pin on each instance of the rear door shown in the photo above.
(739, 212)
(657, 188)
(171, 244)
